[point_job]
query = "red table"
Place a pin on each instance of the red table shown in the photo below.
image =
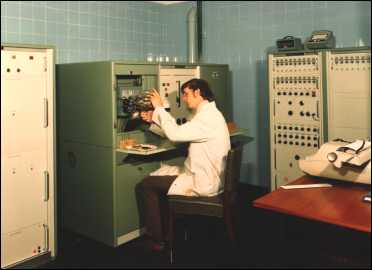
(341, 204)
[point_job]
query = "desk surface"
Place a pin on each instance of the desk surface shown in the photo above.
(340, 205)
(167, 145)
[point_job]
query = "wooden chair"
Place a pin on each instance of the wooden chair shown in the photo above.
(222, 206)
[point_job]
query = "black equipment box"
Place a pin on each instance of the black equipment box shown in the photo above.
(289, 43)
(322, 39)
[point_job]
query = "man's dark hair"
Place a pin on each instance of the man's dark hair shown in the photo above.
(201, 84)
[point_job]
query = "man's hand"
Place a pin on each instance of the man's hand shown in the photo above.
(147, 116)
(155, 99)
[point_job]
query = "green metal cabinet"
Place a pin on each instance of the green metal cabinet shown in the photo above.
(88, 189)
(98, 193)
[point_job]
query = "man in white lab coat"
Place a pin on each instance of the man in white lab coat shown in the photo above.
(203, 171)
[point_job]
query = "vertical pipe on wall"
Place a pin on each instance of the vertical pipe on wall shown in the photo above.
(192, 48)
(199, 26)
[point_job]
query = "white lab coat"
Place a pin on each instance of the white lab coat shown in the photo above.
(207, 132)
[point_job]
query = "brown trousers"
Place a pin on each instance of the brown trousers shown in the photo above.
(155, 190)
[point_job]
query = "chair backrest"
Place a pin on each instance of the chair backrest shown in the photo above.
(232, 171)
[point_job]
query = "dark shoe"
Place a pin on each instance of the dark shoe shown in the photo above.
(154, 245)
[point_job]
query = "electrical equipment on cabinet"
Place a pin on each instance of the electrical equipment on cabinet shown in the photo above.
(289, 43)
(322, 39)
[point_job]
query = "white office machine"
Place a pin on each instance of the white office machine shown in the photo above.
(341, 160)
(27, 155)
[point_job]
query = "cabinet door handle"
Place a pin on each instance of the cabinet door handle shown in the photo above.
(46, 237)
(46, 186)
(45, 113)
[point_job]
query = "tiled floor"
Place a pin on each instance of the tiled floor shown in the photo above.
(266, 240)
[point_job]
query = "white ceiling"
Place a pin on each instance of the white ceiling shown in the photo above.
(167, 2)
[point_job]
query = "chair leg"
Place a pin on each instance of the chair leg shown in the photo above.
(230, 225)
(171, 236)
(171, 256)
(186, 235)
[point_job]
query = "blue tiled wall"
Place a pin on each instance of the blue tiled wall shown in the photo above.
(240, 33)
(87, 30)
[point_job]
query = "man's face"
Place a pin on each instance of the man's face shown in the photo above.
(192, 98)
